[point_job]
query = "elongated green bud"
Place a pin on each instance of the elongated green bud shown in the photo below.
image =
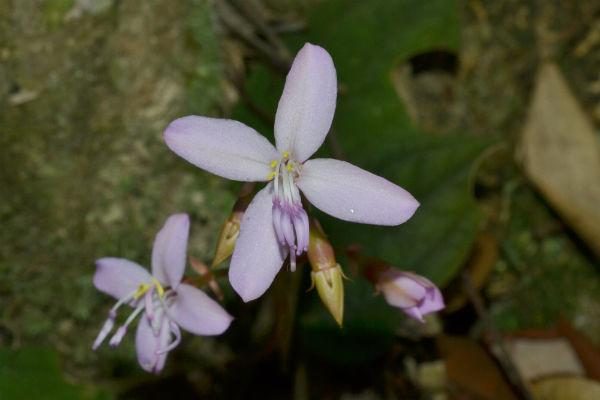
(330, 286)
(326, 273)
(231, 227)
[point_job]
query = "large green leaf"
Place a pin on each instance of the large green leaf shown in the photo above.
(367, 40)
(34, 373)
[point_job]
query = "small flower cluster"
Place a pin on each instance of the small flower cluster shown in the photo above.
(261, 234)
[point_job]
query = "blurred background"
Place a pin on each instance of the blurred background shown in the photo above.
(486, 111)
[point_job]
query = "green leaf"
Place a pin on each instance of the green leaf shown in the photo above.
(436, 240)
(367, 40)
(368, 329)
(34, 373)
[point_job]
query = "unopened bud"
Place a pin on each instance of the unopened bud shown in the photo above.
(326, 273)
(414, 294)
(320, 252)
(330, 286)
(231, 228)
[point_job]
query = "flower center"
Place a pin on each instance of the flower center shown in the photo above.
(156, 301)
(289, 218)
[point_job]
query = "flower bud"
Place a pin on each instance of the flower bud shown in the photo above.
(326, 273)
(231, 228)
(320, 252)
(330, 287)
(417, 296)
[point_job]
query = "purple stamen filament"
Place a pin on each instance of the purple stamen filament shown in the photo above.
(289, 217)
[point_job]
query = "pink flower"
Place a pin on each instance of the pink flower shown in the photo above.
(275, 223)
(165, 304)
(415, 295)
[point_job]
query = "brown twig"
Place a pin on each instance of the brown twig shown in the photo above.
(245, 30)
(255, 17)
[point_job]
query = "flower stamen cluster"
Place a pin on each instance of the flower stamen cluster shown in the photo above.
(290, 220)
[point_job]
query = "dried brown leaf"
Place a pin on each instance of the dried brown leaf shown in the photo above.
(566, 388)
(472, 370)
(561, 156)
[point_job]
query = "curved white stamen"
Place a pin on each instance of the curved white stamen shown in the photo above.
(106, 328)
(112, 315)
(177, 333)
(124, 300)
(118, 336)
(157, 321)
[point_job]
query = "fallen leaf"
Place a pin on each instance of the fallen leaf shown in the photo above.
(566, 388)
(472, 370)
(588, 354)
(560, 154)
(538, 358)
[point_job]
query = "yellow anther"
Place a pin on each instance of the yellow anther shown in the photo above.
(289, 166)
(142, 289)
(286, 154)
(273, 163)
(159, 288)
(271, 175)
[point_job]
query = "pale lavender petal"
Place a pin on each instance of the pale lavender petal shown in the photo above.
(197, 313)
(148, 345)
(421, 280)
(119, 277)
(223, 147)
(402, 292)
(433, 301)
(353, 194)
(169, 251)
(414, 294)
(177, 334)
(258, 256)
(307, 104)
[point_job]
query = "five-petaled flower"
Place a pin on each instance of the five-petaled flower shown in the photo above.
(164, 302)
(416, 295)
(275, 224)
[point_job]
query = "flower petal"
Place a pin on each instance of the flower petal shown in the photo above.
(169, 251)
(119, 277)
(307, 104)
(350, 193)
(197, 313)
(258, 256)
(221, 146)
(148, 345)
(434, 301)
(403, 292)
